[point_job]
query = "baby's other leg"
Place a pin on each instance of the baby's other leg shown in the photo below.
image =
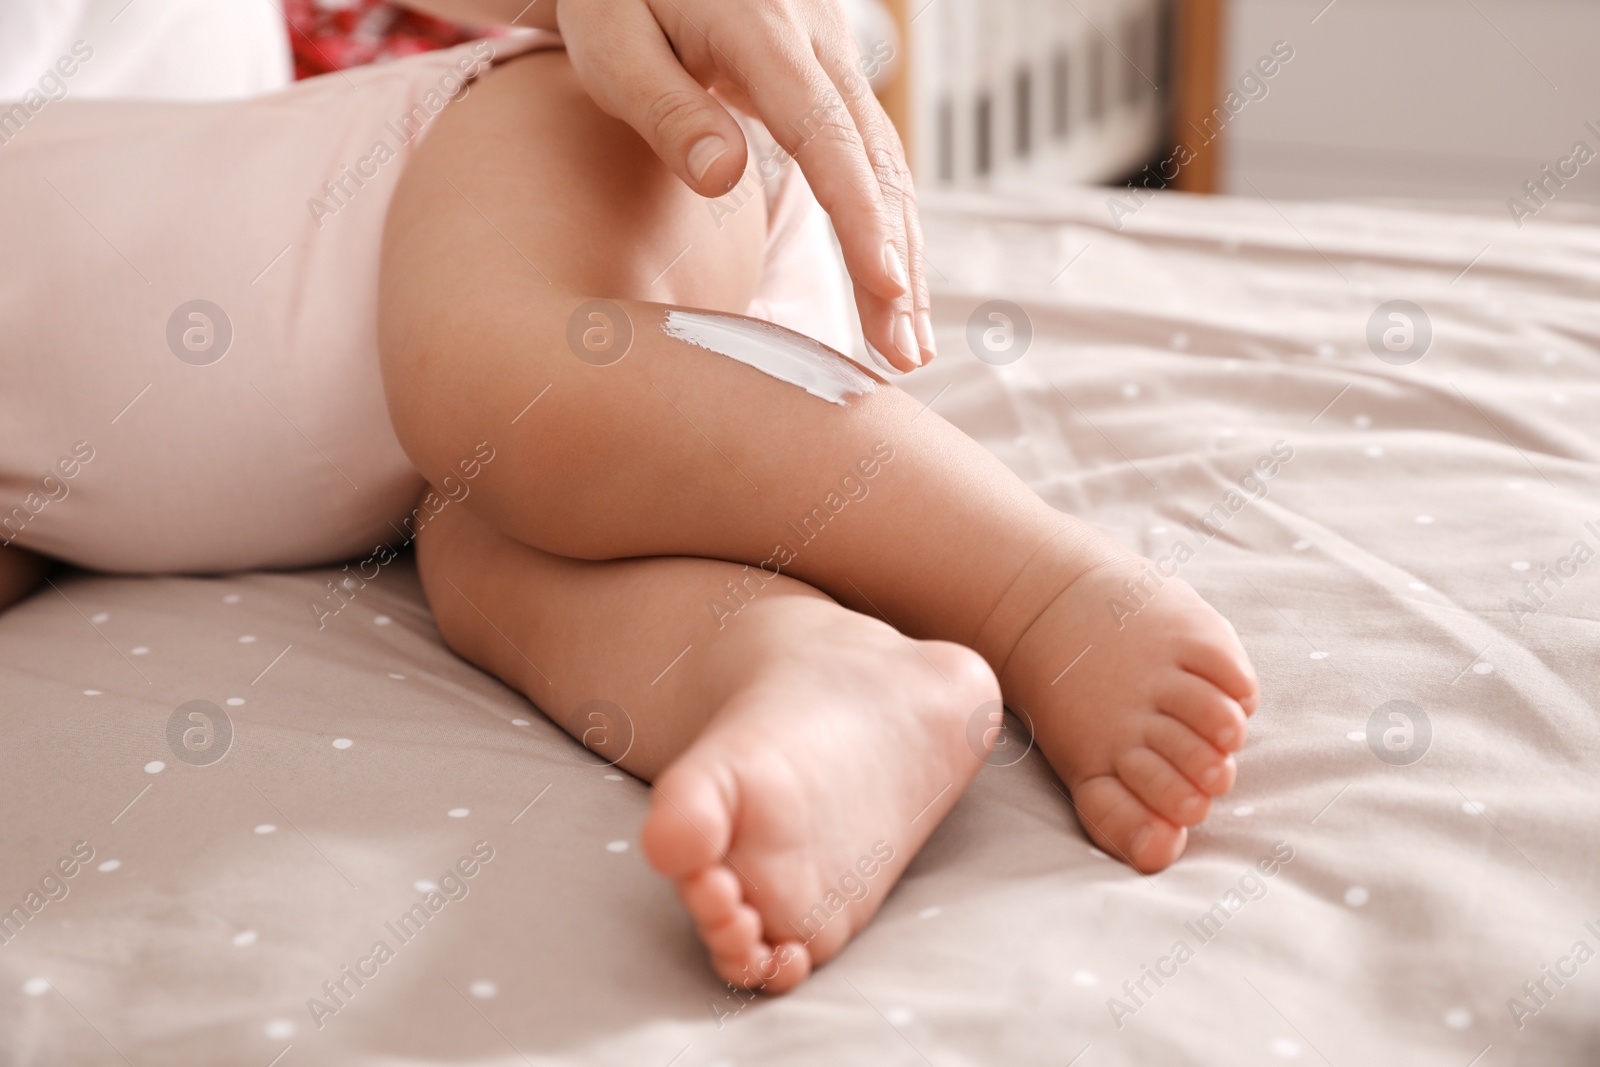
(677, 451)
(801, 753)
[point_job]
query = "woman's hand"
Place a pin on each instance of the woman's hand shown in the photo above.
(651, 62)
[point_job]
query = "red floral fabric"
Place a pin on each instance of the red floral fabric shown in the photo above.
(329, 35)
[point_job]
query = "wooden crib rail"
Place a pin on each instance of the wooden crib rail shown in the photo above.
(980, 88)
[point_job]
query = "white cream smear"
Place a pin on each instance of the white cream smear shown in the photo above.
(783, 354)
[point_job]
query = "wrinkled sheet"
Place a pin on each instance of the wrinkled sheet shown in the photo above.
(1384, 562)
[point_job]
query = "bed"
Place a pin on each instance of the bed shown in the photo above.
(1416, 585)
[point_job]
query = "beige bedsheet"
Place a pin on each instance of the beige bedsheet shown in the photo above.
(1379, 565)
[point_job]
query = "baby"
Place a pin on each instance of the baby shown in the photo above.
(809, 592)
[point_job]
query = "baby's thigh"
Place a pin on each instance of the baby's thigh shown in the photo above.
(523, 203)
(525, 189)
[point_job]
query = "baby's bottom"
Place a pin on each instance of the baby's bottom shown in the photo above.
(801, 751)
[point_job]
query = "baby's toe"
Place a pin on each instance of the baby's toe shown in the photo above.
(735, 934)
(1121, 824)
(742, 968)
(1161, 787)
(1211, 771)
(1205, 709)
(789, 965)
(711, 895)
(730, 928)
(689, 826)
(760, 966)
(1221, 660)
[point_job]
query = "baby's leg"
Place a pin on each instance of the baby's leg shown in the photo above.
(812, 750)
(525, 203)
(20, 572)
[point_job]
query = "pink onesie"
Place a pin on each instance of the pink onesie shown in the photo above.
(189, 370)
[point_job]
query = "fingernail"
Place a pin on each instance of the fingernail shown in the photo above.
(1140, 840)
(706, 151)
(896, 269)
(1228, 737)
(1211, 775)
(904, 340)
(925, 333)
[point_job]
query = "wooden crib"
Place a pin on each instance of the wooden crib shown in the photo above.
(1073, 91)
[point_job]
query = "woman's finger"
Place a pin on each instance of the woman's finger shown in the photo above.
(650, 68)
(919, 276)
(808, 116)
(626, 63)
(836, 50)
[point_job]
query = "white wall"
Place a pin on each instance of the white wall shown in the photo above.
(1442, 98)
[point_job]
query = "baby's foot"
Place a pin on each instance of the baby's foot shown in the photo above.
(1138, 692)
(788, 820)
